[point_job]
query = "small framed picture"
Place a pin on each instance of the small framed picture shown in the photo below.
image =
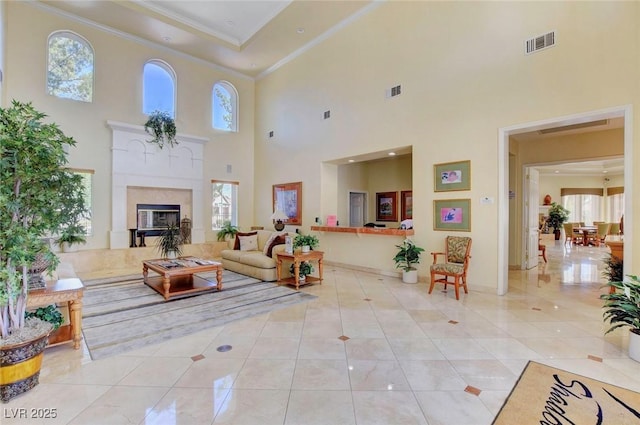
(387, 206)
(451, 176)
(406, 205)
(452, 214)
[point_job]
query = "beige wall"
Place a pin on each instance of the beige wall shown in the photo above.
(464, 76)
(117, 96)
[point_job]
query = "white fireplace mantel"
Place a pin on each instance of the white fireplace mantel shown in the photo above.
(135, 162)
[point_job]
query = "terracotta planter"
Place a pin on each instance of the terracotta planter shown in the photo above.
(20, 367)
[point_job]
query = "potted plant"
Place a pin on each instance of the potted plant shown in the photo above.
(622, 308)
(305, 242)
(407, 256)
(39, 197)
(305, 269)
(557, 215)
(169, 242)
(49, 314)
(71, 237)
(162, 127)
(227, 231)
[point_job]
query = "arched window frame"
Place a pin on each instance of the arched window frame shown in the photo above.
(234, 106)
(169, 70)
(79, 39)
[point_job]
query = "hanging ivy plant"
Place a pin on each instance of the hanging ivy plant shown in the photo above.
(162, 127)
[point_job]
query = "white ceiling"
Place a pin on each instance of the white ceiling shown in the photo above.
(250, 37)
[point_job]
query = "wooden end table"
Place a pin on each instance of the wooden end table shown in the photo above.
(177, 276)
(63, 290)
(297, 258)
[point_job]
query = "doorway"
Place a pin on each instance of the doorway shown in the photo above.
(357, 208)
(504, 133)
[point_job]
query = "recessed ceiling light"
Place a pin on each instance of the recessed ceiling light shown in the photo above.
(392, 153)
(253, 65)
(556, 171)
(352, 160)
(605, 171)
(300, 30)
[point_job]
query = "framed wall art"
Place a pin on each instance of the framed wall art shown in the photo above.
(387, 206)
(452, 214)
(287, 198)
(406, 205)
(451, 176)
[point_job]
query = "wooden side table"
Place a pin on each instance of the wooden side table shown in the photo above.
(63, 290)
(297, 258)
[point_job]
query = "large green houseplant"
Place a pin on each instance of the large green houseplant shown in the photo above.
(407, 256)
(557, 215)
(622, 309)
(39, 197)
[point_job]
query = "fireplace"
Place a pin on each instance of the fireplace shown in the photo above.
(154, 218)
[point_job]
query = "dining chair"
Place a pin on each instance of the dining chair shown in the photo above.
(456, 262)
(569, 236)
(614, 229)
(603, 231)
(542, 248)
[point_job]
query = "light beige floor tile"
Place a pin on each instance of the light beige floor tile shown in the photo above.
(426, 315)
(494, 400)
(387, 407)
(281, 329)
(322, 348)
(64, 402)
(415, 349)
(320, 408)
(275, 348)
(250, 407)
(107, 371)
(369, 349)
(189, 345)
(485, 374)
(377, 375)
(295, 313)
(426, 375)
(241, 346)
(369, 328)
(187, 406)
(507, 348)
(321, 375)
(266, 374)
(461, 348)
(453, 407)
(323, 329)
(157, 372)
(402, 329)
(443, 329)
(211, 373)
(121, 405)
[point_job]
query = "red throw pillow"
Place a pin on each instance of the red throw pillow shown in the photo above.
(236, 244)
(277, 241)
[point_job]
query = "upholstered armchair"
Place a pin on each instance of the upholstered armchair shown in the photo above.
(456, 262)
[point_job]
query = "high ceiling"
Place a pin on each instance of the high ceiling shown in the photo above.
(250, 37)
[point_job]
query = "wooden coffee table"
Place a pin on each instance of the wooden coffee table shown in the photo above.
(177, 276)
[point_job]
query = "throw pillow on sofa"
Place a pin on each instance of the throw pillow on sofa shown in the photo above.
(268, 244)
(236, 244)
(280, 240)
(249, 243)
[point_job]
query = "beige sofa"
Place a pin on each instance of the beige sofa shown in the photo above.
(253, 263)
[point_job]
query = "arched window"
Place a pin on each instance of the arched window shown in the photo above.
(224, 106)
(70, 66)
(158, 88)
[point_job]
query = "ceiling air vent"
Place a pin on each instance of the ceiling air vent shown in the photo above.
(540, 42)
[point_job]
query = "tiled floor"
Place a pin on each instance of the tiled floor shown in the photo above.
(368, 350)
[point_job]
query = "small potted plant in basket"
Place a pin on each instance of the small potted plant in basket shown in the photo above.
(306, 268)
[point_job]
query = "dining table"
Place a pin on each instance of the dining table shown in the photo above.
(587, 232)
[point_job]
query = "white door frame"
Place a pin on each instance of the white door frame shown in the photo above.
(625, 111)
(365, 208)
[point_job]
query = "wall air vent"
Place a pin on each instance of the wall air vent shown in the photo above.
(540, 42)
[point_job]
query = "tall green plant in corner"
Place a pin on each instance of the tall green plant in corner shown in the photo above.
(38, 197)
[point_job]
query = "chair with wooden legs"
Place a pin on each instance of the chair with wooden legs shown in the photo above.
(603, 231)
(455, 265)
(542, 248)
(569, 236)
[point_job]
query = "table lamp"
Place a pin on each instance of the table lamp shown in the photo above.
(278, 215)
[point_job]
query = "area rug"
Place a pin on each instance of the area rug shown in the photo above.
(546, 395)
(123, 314)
